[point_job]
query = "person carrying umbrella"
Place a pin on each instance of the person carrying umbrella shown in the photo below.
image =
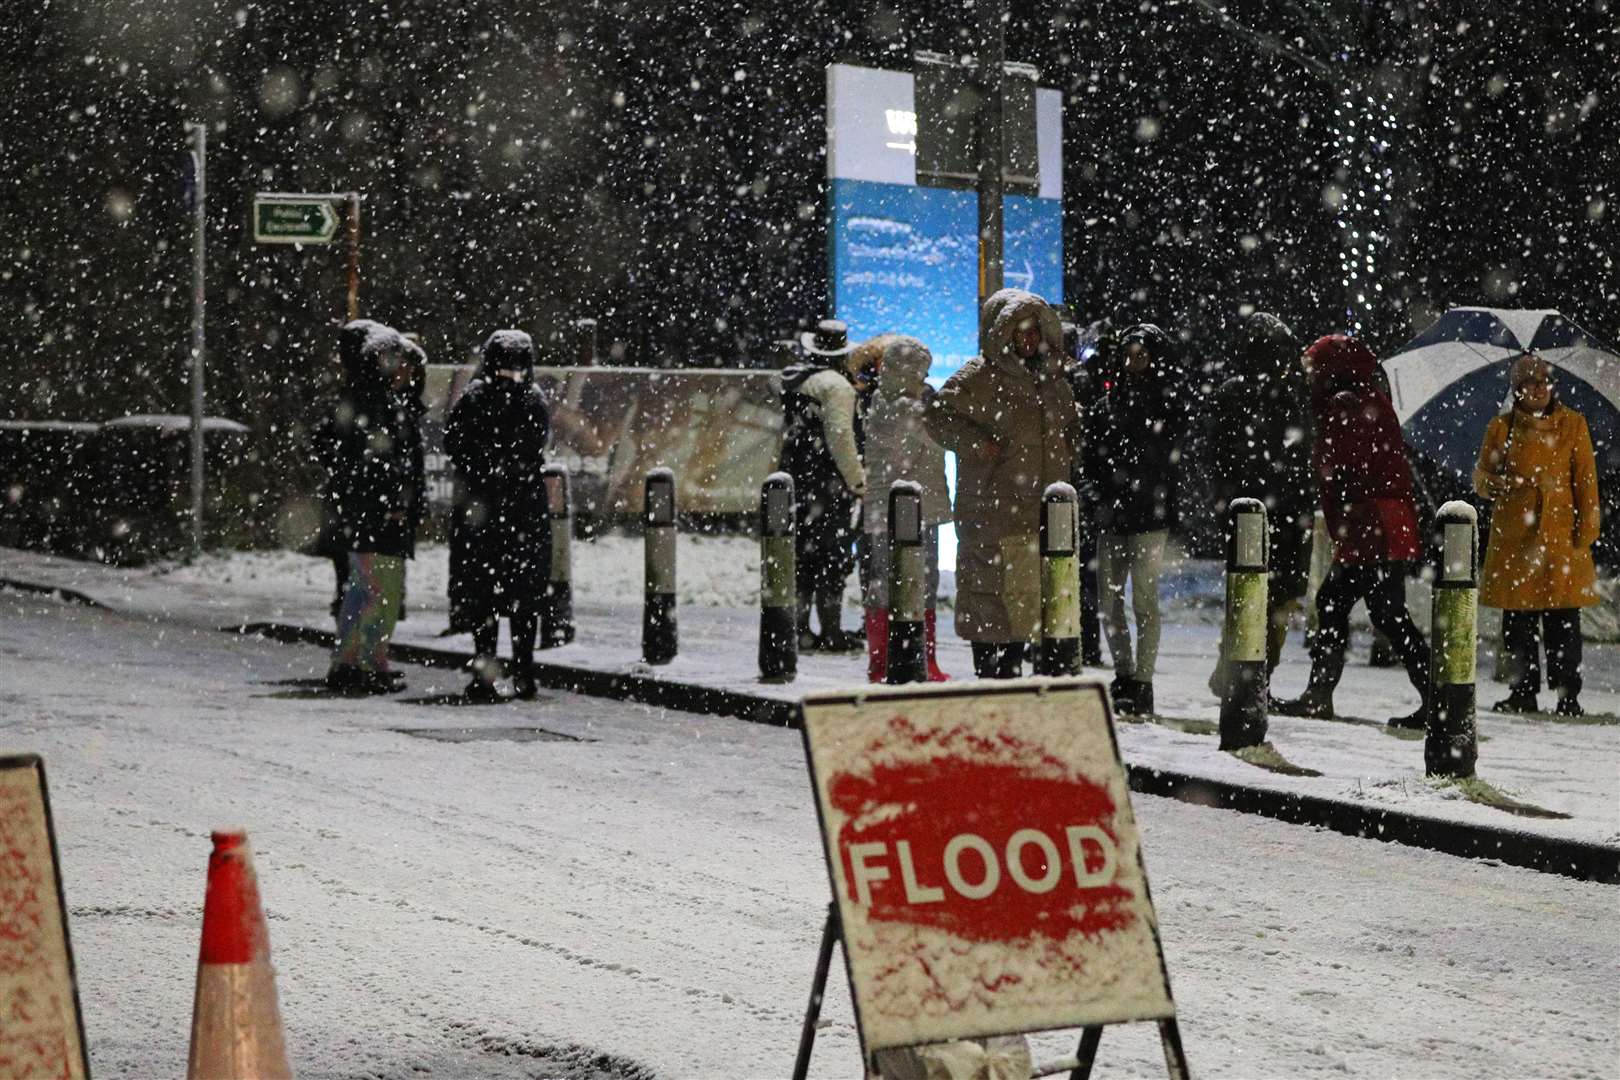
(1537, 467)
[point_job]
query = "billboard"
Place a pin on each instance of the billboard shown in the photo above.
(904, 258)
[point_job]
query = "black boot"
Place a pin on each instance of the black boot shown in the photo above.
(1416, 721)
(1121, 692)
(808, 642)
(1517, 701)
(994, 660)
(1142, 697)
(525, 628)
(834, 638)
(1327, 666)
(1569, 705)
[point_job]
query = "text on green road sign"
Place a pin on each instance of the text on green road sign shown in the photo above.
(293, 221)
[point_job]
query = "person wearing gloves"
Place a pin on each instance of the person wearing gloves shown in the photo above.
(1259, 439)
(1364, 482)
(1132, 456)
(898, 447)
(496, 436)
(378, 495)
(821, 451)
(1009, 417)
(1536, 465)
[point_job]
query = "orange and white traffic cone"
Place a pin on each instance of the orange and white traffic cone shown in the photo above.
(236, 1023)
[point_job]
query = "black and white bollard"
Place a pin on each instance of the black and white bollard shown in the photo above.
(1451, 746)
(557, 605)
(1243, 705)
(908, 586)
(778, 592)
(658, 637)
(1060, 582)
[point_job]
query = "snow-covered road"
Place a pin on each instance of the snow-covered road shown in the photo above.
(652, 893)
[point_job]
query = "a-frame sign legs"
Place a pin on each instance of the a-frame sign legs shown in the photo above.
(1087, 1057)
(818, 990)
(1175, 1058)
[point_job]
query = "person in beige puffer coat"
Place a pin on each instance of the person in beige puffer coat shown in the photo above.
(1010, 417)
(898, 447)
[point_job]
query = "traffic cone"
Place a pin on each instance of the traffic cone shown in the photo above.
(236, 1024)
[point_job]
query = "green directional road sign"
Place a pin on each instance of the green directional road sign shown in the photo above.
(293, 219)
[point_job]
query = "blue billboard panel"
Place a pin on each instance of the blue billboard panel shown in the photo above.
(905, 259)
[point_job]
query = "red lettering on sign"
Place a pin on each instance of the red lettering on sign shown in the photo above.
(994, 850)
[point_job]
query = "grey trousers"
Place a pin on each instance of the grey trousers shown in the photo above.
(1137, 557)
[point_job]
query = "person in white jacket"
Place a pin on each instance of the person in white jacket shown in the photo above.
(821, 451)
(898, 447)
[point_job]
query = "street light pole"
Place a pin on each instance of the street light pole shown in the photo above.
(992, 82)
(198, 134)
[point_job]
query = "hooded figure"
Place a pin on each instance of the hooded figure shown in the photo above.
(1365, 481)
(1134, 431)
(1536, 464)
(821, 451)
(377, 493)
(1009, 416)
(898, 447)
(1259, 440)
(496, 436)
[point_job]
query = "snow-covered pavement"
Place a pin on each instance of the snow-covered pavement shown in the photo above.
(650, 896)
(1567, 769)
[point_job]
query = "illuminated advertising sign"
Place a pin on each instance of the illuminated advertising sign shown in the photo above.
(905, 257)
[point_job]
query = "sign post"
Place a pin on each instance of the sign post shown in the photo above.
(281, 217)
(993, 82)
(42, 1033)
(197, 196)
(985, 866)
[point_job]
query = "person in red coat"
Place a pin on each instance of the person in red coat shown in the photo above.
(1365, 483)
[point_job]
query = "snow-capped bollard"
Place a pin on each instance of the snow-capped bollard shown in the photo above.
(778, 593)
(908, 586)
(557, 605)
(1451, 746)
(658, 636)
(1060, 582)
(1243, 705)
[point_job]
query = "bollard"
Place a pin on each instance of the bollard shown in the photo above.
(557, 604)
(1060, 582)
(908, 585)
(1451, 746)
(778, 591)
(1243, 705)
(658, 636)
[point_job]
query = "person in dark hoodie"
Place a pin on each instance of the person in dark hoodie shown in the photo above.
(378, 495)
(1365, 486)
(1084, 369)
(1259, 440)
(496, 436)
(1133, 435)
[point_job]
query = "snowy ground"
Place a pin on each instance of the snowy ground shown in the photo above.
(647, 900)
(1568, 769)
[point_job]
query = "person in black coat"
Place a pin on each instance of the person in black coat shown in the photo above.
(1259, 447)
(1133, 434)
(377, 493)
(496, 436)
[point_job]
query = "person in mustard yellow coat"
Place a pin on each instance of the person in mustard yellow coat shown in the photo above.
(1537, 467)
